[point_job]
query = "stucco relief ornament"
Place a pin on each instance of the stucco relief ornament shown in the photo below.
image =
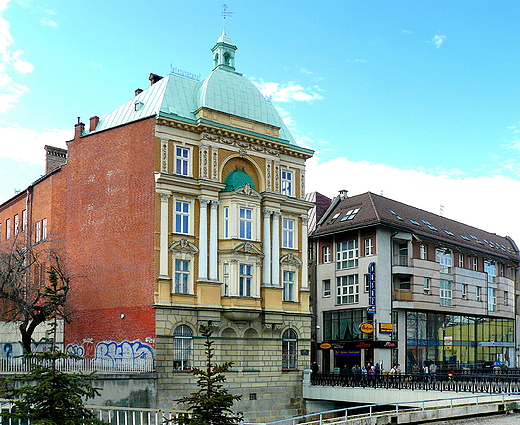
(243, 152)
(247, 190)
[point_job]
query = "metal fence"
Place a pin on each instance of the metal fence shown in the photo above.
(489, 383)
(115, 415)
(87, 365)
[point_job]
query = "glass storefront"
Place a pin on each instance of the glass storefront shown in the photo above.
(457, 341)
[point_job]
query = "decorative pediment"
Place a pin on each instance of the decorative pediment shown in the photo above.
(184, 246)
(291, 260)
(248, 248)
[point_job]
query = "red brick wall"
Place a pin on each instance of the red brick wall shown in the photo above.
(110, 211)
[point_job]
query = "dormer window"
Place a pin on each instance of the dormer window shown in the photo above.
(138, 106)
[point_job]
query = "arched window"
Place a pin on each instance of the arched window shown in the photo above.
(182, 348)
(289, 349)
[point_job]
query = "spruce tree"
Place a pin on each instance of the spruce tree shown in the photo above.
(211, 405)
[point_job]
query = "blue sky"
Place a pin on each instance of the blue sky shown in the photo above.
(417, 100)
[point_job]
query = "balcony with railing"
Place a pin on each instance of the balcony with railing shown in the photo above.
(402, 294)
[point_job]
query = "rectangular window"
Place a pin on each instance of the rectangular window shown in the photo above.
(245, 223)
(464, 291)
(506, 298)
(287, 183)
(502, 270)
(474, 263)
(288, 286)
(44, 229)
(422, 252)
(445, 292)
(24, 221)
(347, 289)
(490, 267)
(245, 280)
(367, 283)
(369, 246)
(461, 260)
(182, 276)
(326, 287)
(8, 228)
(326, 254)
(492, 299)
(38, 235)
(225, 279)
(427, 285)
(16, 224)
(478, 293)
(445, 259)
(287, 233)
(226, 222)
(347, 254)
(182, 161)
(182, 217)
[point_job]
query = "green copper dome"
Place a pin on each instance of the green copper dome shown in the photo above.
(237, 179)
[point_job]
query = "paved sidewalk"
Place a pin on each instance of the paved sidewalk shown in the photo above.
(511, 419)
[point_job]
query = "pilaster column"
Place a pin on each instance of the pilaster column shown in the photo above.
(305, 253)
(203, 239)
(267, 248)
(213, 241)
(163, 240)
(275, 281)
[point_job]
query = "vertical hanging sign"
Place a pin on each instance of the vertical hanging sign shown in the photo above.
(371, 288)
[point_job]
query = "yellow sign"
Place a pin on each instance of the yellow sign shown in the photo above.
(366, 328)
(325, 346)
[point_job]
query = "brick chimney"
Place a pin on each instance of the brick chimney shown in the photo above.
(79, 129)
(154, 78)
(54, 158)
(94, 122)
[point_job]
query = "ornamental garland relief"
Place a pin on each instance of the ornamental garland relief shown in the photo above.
(214, 167)
(268, 171)
(164, 156)
(241, 144)
(203, 162)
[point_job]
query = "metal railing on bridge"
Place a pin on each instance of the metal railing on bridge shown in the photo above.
(489, 383)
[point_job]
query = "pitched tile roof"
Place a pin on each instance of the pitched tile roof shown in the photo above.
(369, 209)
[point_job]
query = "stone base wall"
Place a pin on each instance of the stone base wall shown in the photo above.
(268, 392)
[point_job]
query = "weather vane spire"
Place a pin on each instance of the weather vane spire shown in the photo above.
(225, 14)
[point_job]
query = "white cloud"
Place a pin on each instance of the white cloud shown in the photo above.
(305, 71)
(465, 199)
(48, 22)
(10, 62)
(288, 92)
(438, 40)
(26, 145)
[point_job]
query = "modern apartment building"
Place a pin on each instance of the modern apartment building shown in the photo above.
(397, 284)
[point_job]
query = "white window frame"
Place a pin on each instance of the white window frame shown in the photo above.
(287, 182)
(245, 280)
(474, 263)
(347, 254)
(225, 279)
(7, 229)
(16, 224)
(182, 160)
(445, 259)
(422, 251)
(288, 233)
(44, 229)
(225, 212)
(446, 292)
(24, 220)
(347, 289)
(182, 276)
(326, 288)
(288, 286)
(492, 299)
(464, 291)
(478, 293)
(245, 223)
(181, 217)
(461, 261)
(369, 246)
(38, 231)
(506, 297)
(326, 254)
(427, 285)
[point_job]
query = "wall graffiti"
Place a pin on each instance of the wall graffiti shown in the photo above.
(135, 354)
